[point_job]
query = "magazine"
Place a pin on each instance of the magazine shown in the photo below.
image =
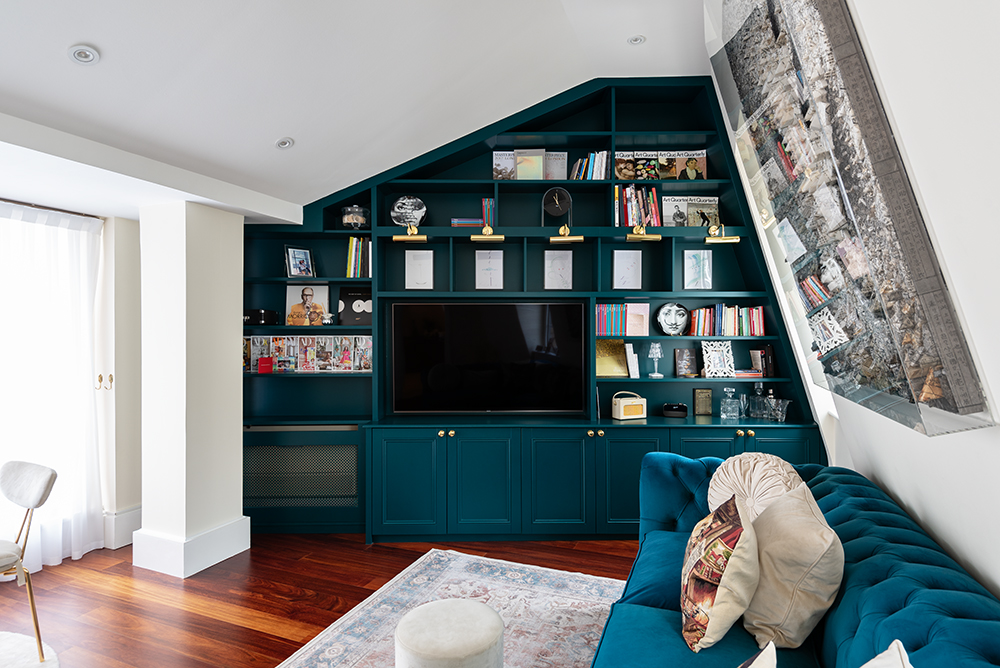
(503, 165)
(246, 354)
(624, 165)
(324, 353)
(690, 211)
(646, 166)
(363, 353)
(307, 354)
(691, 165)
(343, 353)
(260, 346)
(554, 164)
(284, 350)
(667, 164)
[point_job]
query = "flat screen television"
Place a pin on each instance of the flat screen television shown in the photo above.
(488, 357)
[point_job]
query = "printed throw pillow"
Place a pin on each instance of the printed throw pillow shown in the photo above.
(757, 478)
(894, 657)
(765, 658)
(719, 575)
(801, 568)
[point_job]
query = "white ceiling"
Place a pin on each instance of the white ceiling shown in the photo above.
(190, 96)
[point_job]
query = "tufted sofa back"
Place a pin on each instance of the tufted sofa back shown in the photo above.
(898, 583)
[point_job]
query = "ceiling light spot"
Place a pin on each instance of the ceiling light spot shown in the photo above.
(83, 54)
(284, 142)
(636, 40)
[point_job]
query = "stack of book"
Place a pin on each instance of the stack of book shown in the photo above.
(359, 254)
(763, 361)
(722, 320)
(813, 292)
(636, 206)
(595, 167)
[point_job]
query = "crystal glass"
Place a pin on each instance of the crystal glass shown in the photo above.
(744, 404)
(778, 408)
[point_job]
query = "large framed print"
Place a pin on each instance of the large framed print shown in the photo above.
(627, 270)
(697, 270)
(558, 270)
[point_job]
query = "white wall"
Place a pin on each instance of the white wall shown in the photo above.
(936, 67)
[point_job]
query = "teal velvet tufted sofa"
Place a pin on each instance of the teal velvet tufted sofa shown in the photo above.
(898, 583)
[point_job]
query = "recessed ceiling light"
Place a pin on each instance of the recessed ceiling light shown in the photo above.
(636, 40)
(284, 142)
(83, 54)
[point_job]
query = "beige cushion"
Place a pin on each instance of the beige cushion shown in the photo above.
(756, 477)
(9, 554)
(719, 575)
(894, 657)
(801, 567)
(765, 658)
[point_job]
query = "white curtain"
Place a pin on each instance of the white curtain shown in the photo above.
(48, 285)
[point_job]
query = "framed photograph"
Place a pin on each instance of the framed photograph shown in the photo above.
(627, 270)
(703, 401)
(697, 270)
(299, 263)
(718, 356)
(558, 270)
(489, 270)
(307, 304)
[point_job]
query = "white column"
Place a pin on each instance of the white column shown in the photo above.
(192, 393)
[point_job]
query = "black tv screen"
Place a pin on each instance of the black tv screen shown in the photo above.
(494, 357)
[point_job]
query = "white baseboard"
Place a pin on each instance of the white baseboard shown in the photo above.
(119, 527)
(183, 558)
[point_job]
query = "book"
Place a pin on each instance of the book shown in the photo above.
(504, 166)
(666, 163)
(646, 166)
(265, 364)
(307, 354)
(611, 360)
(530, 164)
(554, 164)
(769, 366)
(625, 165)
(343, 353)
(680, 211)
(757, 357)
(637, 320)
(691, 165)
(685, 362)
(362, 354)
(260, 346)
(466, 222)
(324, 353)
(355, 306)
(631, 361)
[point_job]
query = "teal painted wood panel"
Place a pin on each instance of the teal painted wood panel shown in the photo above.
(697, 442)
(619, 461)
(484, 481)
(797, 446)
(408, 482)
(559, 482)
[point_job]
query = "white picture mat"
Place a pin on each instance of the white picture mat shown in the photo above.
(558, 270)
(627, 270)
(419, 267)
(489, 270)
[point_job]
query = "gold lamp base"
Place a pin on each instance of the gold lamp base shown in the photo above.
(410, 236)
(717, 235)
(565, 237)
(487, 235)
(639, 234)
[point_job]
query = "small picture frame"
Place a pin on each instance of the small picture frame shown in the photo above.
(419, 270)
(697, 270)
(702, 401)
(489, 270)
(718, 357)
(299, 262)
(627, 270)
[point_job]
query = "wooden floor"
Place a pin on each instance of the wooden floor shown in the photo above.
(254, 609)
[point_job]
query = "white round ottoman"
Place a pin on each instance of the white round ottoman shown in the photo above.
(450, 633)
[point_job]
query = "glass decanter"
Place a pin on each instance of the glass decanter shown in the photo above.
(758, 405)
(729, 407)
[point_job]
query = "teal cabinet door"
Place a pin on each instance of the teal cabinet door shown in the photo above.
(619, 460)
(408, 481)
(796, 445)
(558, 480)
(698, 442)
(484, 481)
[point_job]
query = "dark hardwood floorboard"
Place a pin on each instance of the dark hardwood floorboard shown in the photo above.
(253, 610)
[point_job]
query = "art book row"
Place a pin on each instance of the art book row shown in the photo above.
(538, 164)
(622, 320)
(813, 292)
(639, 206)
(616, 358)
(307, 354)
(722, 320)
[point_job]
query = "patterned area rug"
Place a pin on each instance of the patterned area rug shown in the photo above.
(551, 618)
(19, 651)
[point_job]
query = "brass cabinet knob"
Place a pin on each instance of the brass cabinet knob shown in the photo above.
(590, 432)
(441, 433)
(600, 432)
(739, 432)
(750, 432)
(451, 433)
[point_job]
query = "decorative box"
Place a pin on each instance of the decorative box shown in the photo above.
(675, 410)
(627, 408)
